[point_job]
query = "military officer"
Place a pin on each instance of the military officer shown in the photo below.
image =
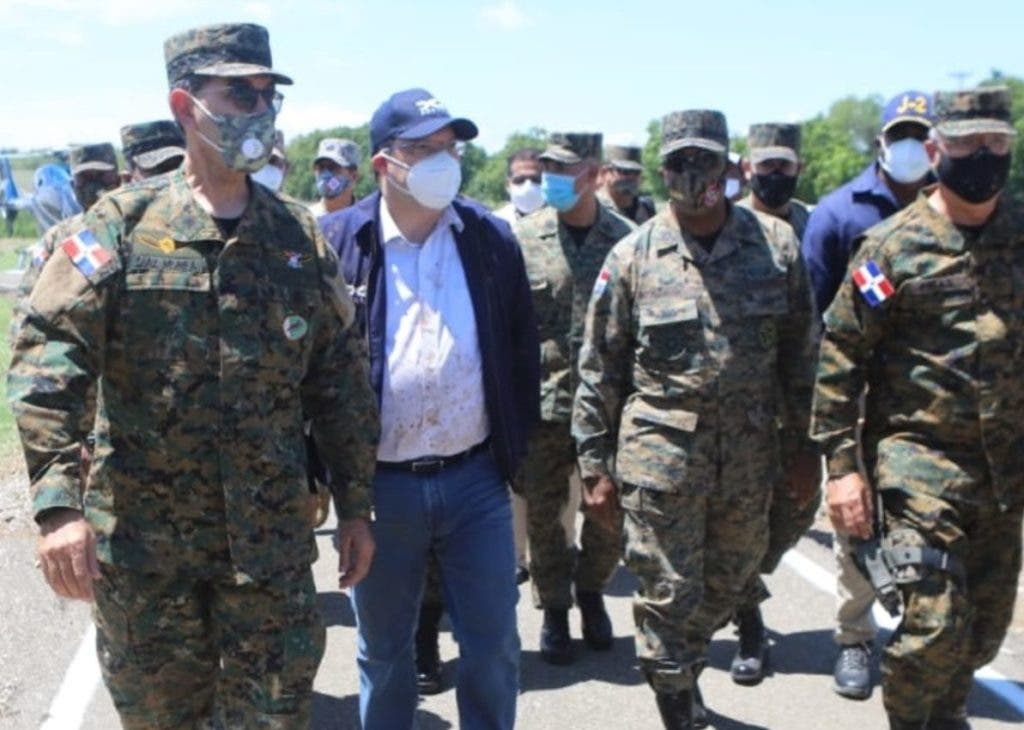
(564, 244)
(697, 346)
(929, 322)
(771, 169)
(209, 314)
(151, 148)
(620, 183)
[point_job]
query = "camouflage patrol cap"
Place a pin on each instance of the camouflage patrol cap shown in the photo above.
(149, 144)
(624, 157)
(231, 49)
(343, 152)
(86, 157)
(569, 148)
(774, 141)
(694, 128)
(976, 111)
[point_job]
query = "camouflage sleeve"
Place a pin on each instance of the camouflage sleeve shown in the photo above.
(39, 253)
(797, 352)
(337, 397)
(56, 358)
(852, 330)
(605, 362)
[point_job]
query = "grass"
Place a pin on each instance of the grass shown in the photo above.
(9, 249)
(9, 442)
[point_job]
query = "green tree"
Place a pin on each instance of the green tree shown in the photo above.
(651, 157)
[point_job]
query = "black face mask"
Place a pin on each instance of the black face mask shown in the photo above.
(977, 177)
(773, 189)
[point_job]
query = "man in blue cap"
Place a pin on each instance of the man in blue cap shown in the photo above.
(442, 292)
(888, 184)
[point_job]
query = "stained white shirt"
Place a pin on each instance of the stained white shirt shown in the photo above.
(432, 396)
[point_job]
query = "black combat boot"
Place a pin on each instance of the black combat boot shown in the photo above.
(896, 723)
(700, 712)
(555, 643)
(676, 709)
(597, 627)
(751, 655)
(428, 655)
(958, 722)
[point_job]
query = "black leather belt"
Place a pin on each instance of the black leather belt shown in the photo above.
(433, 464)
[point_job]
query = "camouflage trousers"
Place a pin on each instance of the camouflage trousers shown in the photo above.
(555, 566)
(694, 557)
(949, 630)
(788, 521)
(184, 653)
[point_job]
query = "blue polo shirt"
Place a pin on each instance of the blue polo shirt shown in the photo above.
(835, 223)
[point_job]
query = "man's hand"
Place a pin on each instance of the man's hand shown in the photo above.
(355, 551)
(804, 478)
(601, 500)
(850, 505)
(67, 554)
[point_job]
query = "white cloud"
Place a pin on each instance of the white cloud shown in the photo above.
(506, 15)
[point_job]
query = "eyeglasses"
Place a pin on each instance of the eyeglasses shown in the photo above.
(423, 150)
(999, 144)
(693, 158)
(520, 179)
(245, 97)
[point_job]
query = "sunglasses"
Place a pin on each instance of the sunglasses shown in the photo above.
(245, 97)
(692, 159)
(520, 179)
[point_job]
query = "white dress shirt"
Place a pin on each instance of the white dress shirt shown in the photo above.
(432, 396)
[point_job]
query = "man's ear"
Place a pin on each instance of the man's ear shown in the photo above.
(180, 102)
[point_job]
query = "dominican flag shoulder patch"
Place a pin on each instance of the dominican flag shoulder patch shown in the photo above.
(602, 282)
(85, 252)
(873, 285)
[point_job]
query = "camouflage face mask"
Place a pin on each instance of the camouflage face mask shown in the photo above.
(695, 190)
(246, 141)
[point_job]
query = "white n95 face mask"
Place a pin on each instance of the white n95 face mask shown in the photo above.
(906, 160)
(433, 182)
(526, 196)
(269, 176)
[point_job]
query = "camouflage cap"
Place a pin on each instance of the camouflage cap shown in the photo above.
(86, 157)
(231, 49)
(774, 141)
(624, 157)
(976, 111)
(149, 144)
(569, 148)
(342, 152)
(694, 128)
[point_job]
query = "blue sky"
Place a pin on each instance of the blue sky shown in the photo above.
(76, 70)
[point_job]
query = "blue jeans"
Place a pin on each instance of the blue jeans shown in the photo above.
(463, 514)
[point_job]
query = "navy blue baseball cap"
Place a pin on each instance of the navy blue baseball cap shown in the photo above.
(909, 106)
(414, 114)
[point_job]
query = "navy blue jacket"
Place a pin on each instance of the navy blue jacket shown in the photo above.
(500, 292)
(835, 223)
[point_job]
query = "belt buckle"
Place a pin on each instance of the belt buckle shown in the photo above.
(426, 465)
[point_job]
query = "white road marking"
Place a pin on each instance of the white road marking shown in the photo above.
(995, 682)
(77, 689)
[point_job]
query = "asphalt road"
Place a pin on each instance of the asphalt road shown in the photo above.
(41, 636)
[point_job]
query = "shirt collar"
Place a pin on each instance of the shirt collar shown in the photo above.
(871, 182)
(389, 231)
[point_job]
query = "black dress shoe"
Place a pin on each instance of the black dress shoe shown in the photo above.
(751, 654)
(896, 723)
(428, 654)
(597, 626)
(949, 723)
(852, 673)
(555, 642)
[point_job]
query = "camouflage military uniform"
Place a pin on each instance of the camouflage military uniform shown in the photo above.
(797, 218)
(209, 354)
(685, 356)
(942, 434)
(562, 276)
(628, 158)
(149, 146)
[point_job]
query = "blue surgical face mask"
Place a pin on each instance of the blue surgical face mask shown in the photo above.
(559, 190)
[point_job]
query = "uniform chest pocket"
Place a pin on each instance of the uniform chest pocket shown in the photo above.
(287, 337)
(166, 314)
(936, 294)
(670, 332)
(765, 297)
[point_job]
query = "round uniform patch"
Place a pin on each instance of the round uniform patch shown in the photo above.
(295, 327)
(167, 245)
(252, 148)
